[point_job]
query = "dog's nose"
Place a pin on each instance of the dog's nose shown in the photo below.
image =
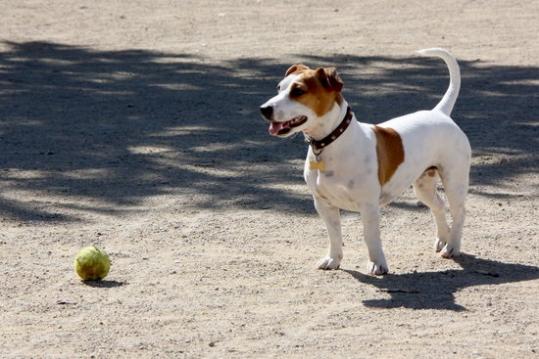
(267, 112)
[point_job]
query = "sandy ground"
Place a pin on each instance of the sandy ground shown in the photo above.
(134, 126)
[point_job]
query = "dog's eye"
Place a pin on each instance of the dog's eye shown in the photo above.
(278, 88)
(297, 92)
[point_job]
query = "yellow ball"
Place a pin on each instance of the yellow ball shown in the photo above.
(92, 263)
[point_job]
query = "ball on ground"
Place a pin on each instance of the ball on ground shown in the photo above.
(91, 263)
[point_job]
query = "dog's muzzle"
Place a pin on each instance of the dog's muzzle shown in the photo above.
(277, 128)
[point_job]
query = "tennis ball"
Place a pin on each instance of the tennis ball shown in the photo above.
(92, 263)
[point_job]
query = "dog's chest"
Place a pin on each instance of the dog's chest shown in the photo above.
(333, 187)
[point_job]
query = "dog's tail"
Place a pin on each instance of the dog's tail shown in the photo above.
(450, 97)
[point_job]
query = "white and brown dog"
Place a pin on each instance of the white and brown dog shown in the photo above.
(359, 167)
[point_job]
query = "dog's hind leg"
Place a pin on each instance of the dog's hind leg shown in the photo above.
(456, 188)
(332, 218)
(425, 190)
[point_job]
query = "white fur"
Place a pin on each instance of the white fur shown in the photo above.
(350, 180)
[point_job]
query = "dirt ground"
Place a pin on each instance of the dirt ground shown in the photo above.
(134, 126)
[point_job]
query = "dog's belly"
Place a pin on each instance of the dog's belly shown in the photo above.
(390, 193)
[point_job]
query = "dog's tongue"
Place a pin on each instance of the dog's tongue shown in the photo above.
(275, 127)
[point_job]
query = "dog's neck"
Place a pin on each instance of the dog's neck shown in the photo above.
(328, 122)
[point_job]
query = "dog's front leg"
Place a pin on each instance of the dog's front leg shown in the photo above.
(332, 218)
(370, 216)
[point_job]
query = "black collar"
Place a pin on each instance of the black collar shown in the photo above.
(319, 145)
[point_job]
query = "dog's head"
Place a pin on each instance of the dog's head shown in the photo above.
(304, 96)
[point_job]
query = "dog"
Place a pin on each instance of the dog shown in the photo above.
(360, 167)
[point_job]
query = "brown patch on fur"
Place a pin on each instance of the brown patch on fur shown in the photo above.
(295, 69)
(321, 89)
(389, 151)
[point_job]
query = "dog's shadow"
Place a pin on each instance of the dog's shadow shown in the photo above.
(436, 290)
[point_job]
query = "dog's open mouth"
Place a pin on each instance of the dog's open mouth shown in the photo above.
(282, 128)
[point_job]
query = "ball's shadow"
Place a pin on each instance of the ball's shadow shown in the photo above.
(104, 283)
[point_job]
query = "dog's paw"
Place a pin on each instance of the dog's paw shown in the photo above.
(449, 251)
(378, 269)
(328, 263)
(439, 244)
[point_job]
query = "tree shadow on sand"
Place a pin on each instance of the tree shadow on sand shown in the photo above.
(436, 290)
(111, 128)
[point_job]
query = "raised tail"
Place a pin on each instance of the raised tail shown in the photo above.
(450, 96)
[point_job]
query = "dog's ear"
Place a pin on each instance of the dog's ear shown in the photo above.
(295, 68)
(329, 78)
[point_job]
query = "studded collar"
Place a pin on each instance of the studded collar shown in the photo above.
(319, 145)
